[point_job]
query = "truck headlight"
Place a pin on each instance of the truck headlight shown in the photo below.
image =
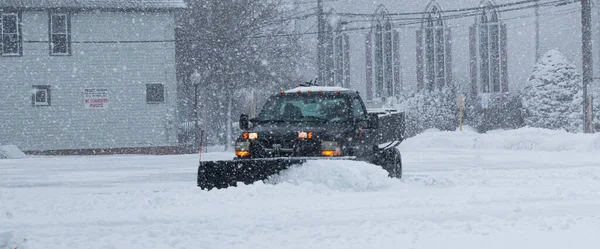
(305, 135)
(250, 135)
(242, 149)
(331, 148)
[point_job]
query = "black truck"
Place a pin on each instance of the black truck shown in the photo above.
(308, 123)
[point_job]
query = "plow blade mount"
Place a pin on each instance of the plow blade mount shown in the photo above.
(223, 174)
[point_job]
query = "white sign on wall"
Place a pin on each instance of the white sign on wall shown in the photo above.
(95, 98)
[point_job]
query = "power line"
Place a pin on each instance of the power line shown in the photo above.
(444, 11)
(410, 21)
(314, 2)
(470, 13)
(416, 21)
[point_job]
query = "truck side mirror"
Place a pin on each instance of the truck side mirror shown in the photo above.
(372, 121)
(244, 123)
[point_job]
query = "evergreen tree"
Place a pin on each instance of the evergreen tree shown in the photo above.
(236, 46)
(552, 97)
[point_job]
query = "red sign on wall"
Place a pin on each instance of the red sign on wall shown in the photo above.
(95, 98)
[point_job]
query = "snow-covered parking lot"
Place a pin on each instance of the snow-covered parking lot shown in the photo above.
(517, 189)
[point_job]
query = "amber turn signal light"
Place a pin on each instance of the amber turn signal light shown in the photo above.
(242, 153)
(331, 153)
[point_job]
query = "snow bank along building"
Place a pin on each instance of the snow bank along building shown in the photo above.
(87, 74)
(485, 47)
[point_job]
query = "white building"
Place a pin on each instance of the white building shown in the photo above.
(483, 46)
(87, 74)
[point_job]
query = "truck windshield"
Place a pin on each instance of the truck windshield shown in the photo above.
(305, 108)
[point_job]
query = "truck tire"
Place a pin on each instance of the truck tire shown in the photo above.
(390, 160)
(394, 164)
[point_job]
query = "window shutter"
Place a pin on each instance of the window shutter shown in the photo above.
(448, 56)
(70, 45)
(420, 73)
(346, 81)
(473, 58)
(369, 65)
(504, 58)
(1, 32)
(20, 34)
(396, 56)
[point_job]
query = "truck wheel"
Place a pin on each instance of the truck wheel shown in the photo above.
(395, 164)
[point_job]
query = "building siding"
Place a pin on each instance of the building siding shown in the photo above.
(123, 68)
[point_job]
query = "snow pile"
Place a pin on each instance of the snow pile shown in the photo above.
(10, 152)
(342, 175)
(8, 241)
(535, 139)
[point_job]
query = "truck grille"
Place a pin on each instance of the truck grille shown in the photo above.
(283, 146)
(284, 141)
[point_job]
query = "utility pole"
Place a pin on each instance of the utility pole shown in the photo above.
(296, 19)
(195, 78)
(320, 74)
(537, 31)
(587, 52)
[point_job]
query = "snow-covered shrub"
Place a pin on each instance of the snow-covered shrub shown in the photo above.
(8, 240)
(552, 97)
(436, 109)
(501, 111)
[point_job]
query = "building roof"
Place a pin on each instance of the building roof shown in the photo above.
(94, 4)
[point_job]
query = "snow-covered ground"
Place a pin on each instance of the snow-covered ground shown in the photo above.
(518, 189)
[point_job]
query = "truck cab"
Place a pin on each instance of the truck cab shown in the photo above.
(309, 122)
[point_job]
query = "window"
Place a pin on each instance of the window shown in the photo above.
(434, 69)
(155, 93)
(40, 96)
(488, 52)
(336, 62)
(382, 55)
(341, 57)
(358, 109)
(60, 37)
(305, 108)
(11, 34)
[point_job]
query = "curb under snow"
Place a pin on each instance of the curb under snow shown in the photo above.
(533, 139)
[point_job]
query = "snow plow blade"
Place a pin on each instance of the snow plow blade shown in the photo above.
(224, 174)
